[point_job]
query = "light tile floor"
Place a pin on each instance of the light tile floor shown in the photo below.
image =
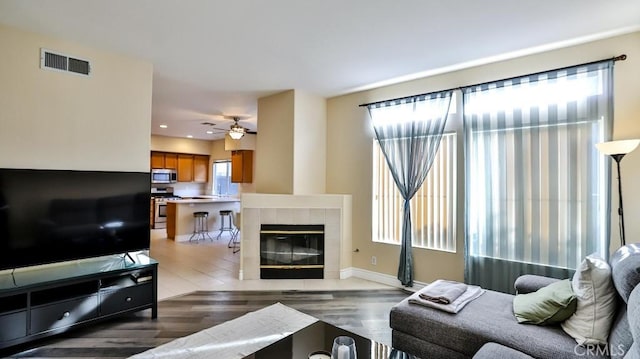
(210, 265)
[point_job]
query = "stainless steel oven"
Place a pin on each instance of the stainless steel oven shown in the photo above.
(160, 196)
(160, 219)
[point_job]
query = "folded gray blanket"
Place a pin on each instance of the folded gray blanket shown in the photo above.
(469, 295)
(443, 291)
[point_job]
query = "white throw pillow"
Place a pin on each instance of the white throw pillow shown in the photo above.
(592, 284)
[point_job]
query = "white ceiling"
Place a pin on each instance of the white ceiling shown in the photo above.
(215, 57)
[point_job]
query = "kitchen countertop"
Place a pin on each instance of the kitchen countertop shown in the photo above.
(204, 199)
(180, 220)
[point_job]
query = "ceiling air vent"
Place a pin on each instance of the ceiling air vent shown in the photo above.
(59, 62)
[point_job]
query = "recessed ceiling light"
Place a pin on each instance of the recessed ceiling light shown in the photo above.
(164, 126)
(209, 132)
(189, 136)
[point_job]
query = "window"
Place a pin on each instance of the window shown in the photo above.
(432, 208)
(222, 184)
(536, 185)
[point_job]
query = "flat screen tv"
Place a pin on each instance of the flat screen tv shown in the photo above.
(50, 216)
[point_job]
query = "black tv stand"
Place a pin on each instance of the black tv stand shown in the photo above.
(40, 302)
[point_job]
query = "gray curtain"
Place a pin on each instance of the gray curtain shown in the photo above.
(537, 190)
(409, 131)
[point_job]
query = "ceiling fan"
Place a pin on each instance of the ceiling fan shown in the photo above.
(236, 131)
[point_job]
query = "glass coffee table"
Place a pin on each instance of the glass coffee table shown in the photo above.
(319, 337)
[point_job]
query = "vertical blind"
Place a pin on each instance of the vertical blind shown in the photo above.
(537, 189)
(433, 207)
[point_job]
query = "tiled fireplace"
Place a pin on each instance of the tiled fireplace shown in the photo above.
(333, 212)
(291, 251)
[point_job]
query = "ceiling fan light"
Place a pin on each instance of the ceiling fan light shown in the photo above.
(236, 132)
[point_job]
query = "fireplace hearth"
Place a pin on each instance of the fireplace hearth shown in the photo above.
(292, 251)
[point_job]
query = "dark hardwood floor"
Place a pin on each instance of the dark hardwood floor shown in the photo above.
(364, 312)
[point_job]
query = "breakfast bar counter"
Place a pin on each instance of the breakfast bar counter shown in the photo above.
(180, 214)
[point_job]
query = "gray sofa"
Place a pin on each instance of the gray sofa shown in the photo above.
(487, 328)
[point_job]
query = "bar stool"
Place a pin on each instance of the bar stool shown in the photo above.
(200, 226)
(226, 217)
(235, 239)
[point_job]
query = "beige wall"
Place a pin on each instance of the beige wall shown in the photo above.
(274, 144)
(310, 143)
(181, 145)
(56, 120)
(349, 141)
(291, 147)
(218, 152)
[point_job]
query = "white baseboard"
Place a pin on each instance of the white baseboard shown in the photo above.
(346, 273)
(378, 278)
(381, 278)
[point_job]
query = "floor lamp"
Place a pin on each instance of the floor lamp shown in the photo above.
(617, 150)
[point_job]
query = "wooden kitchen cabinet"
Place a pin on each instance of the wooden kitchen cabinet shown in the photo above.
(157, 159)
(171, 161)
(190, 168)
(152, 213)
(171, 220)
(242, 166)
(185, 168)
(200, 168)
(164, 160)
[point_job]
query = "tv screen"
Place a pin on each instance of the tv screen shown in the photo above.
(49, 216)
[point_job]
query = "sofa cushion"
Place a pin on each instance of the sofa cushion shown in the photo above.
(633, 316)
(548, 305)
(497, 351)
(592, 284)
(625, 272)
(625, 269)
(420, 348)
(620, 338)
(486, 319)
(529, 283)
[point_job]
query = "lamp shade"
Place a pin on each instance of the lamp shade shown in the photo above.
(621, 147)
(617, 150)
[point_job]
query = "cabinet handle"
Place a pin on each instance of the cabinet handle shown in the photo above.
(65, 315)
(127, 299)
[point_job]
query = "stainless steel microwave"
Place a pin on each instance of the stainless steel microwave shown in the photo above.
(163, 175)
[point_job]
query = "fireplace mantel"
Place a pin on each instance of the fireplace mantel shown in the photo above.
(332, 210)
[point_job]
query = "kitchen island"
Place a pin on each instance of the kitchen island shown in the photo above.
(180, 214)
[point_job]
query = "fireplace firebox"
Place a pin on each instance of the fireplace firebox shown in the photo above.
(292, 251)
